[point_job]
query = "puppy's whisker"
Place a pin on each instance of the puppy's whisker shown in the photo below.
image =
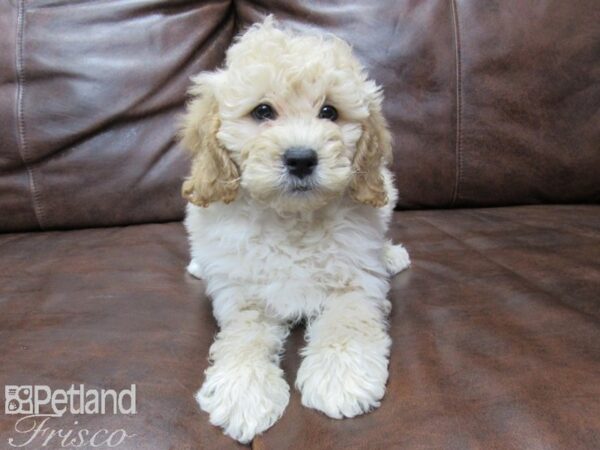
(232, 181)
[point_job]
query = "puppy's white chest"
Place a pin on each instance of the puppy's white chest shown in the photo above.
(288, 267)
(291, 271)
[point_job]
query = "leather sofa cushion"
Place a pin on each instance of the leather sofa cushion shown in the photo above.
(495, 333)
(490, 103)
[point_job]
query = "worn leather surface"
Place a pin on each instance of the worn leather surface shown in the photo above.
(108, 308)
(98, 88)
(495, 333)
(490, 103)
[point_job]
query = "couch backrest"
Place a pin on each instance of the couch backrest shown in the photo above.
(490, 102)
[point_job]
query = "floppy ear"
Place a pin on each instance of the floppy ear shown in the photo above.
(373, 151)
(214, 176)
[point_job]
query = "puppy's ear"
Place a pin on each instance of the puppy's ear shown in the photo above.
(214, 176)
(373, 151)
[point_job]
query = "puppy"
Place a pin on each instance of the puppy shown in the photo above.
(289, 202)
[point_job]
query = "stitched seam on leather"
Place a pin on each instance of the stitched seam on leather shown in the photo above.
(237, 23)
(22, 141)
(458, 145)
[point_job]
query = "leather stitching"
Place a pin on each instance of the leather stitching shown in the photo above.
(458, 148)
(22, 141)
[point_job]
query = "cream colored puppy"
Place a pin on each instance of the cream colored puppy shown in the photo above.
(290, 200)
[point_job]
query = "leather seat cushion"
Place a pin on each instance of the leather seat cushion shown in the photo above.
(495, 333)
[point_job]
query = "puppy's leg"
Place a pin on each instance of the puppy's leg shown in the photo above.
(244, 391)
(194, 270)
(345, 364)
(395, 258)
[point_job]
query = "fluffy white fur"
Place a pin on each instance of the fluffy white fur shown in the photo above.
(271, 254)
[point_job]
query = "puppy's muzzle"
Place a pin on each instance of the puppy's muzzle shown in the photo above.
(300, 162)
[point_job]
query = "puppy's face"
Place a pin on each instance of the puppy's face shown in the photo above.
(292, 120)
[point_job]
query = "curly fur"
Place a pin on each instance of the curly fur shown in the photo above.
(372, 151)
(272, 254)
(214, 176)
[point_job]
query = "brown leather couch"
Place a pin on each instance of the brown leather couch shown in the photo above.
(494, 106)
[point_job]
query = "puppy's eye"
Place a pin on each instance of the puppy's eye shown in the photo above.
(264, 112)
(328, 112)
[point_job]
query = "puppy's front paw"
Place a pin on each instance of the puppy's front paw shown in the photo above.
(342, 383)
(244, 401)
(395, 258)
(194, 270)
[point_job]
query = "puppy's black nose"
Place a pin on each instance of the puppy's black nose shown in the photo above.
(300, 161)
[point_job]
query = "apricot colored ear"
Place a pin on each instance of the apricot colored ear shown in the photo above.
(373, 150)
(214, 176)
